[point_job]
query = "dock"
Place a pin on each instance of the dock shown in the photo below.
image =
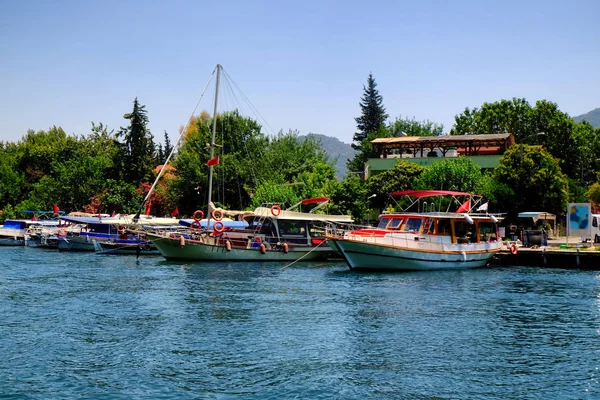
(560, 253)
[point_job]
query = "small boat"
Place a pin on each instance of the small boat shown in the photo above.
(141, 247)
(84, 230)
(272, 234)
(14, 232)
(426, 240)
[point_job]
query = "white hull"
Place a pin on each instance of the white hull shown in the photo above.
(12, 237)
(193, 250)
(75, 243)
(369, 255)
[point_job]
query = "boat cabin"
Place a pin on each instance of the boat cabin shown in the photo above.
(459, 229)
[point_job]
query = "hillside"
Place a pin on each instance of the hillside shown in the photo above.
(593, 117)
(339, 152)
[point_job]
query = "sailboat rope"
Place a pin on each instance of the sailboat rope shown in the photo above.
(183, 132)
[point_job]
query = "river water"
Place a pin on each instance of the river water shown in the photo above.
(88, 326)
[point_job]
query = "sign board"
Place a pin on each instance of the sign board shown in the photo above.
(579, 217)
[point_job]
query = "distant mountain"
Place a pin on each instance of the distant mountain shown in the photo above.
(593, 117)
(339, 152)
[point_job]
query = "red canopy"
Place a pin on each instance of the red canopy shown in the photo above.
(431, 193)
(315, 200)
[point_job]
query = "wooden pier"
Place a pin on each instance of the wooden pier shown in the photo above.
(551, 257)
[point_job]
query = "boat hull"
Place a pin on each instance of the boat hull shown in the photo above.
(365, 255)
(105, 247)
(75, 243)
(192, 250)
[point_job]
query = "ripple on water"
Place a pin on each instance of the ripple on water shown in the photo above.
(82, 325)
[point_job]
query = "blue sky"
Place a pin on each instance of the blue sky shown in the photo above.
(302, 64)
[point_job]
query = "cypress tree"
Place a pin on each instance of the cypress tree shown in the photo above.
(139, 146)
(373, 113)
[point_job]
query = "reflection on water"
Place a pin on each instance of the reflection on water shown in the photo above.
(82, 325)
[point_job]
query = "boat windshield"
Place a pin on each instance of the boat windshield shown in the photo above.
(487, 231)
(383, 223)
(413, 225)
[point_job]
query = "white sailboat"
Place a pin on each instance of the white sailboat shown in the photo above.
(272, 234)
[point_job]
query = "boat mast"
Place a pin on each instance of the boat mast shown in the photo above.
(212, 144)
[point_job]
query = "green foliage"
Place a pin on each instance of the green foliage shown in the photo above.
(412, 127)
(459, 174)
(349, 197)
(535, 180)
(272, 192)
(138, 147)
(403, 176)
(593, 193)
(373, 114)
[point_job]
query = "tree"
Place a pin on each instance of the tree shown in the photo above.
(403, 176)
(370, 124)
(412, 127)
(373, 114)
(349, 197)
(459, 174)
(529, 172)
(138, 146)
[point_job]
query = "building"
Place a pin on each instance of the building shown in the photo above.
(483, 150)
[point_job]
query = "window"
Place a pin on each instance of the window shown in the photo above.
(595, 222)
(394, 223)
(443, 227)
(383, 223)
(413, 225)
(487, 232)
(292, 227)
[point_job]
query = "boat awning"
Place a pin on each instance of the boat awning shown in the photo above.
(431, 193)
(537, 216)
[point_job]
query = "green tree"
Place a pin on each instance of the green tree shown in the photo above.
(370, 124)
(528, 172)
(403, 176)
(459, 174)
(412, 127)
(138, 146)
(349, 197)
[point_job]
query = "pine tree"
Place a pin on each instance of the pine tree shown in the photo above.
(373, 113)
(138, 147)
(168, 148)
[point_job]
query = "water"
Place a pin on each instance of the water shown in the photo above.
(113, 327)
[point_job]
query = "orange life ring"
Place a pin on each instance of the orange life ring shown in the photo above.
(62, 232)
(121, 229)
(195, 226)
(218, 227)
(217, 215)
(275, 210)
(198, 215)
(513, 249)
(263, 248)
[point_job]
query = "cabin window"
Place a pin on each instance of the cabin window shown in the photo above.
(383, 223)
(413, 225)
(443, 227)
(595, 222)
(394, 223)
(487, 232)
(464, 232)
(292, 227)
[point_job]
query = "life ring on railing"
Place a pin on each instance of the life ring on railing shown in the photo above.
(275, 210)
(195, 226)
(121, 229)
(513, 249)
(62, 232)
(198, 215)
(217, 215)
(218, 227)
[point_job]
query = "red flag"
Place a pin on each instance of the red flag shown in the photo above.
(213, 161)
(114, 213)
(175, 212)
(466, 206)
(33, 218)
(56, 209)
